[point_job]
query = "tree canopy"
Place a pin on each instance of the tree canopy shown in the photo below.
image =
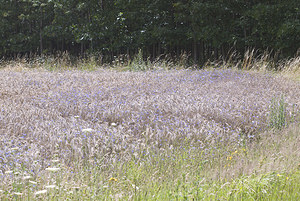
(201, 28)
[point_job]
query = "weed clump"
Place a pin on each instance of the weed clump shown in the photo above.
(278, 113)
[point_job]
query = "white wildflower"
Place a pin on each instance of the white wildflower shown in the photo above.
(113, 124)
(50, 186)
(135, 187)
(17, 193)
(40, 192)
(32, 182)
(87, 130)
(27, 177)
(55, 161)
(8, 172)
(53, 169)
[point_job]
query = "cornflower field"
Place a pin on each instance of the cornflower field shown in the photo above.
(211, 134)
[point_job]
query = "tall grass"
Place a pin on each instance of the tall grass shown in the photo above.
(251, 60)
(100, 134)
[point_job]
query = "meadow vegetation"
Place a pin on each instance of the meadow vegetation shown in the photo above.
(149, 130)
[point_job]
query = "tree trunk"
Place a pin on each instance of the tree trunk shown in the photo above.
(153, 51)
(81, 49)
(41, 38)
(195, 50)
(128, 55)
(159, 49)
(201, 52)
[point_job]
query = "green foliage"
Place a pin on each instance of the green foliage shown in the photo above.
(278, 114)
(204, 29)
(138, 63)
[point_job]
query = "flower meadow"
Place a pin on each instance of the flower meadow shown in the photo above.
(154, 135)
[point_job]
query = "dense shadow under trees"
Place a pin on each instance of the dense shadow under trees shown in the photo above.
(203, 29)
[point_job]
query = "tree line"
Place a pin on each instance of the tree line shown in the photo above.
(202, 28)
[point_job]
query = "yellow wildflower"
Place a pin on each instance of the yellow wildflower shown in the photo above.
(113, 179)
(229, 158)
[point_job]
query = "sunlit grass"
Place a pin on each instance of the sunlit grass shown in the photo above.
(235, 173)
(205, 134)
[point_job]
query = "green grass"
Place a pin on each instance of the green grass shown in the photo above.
(278, 114)
(266, 170)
